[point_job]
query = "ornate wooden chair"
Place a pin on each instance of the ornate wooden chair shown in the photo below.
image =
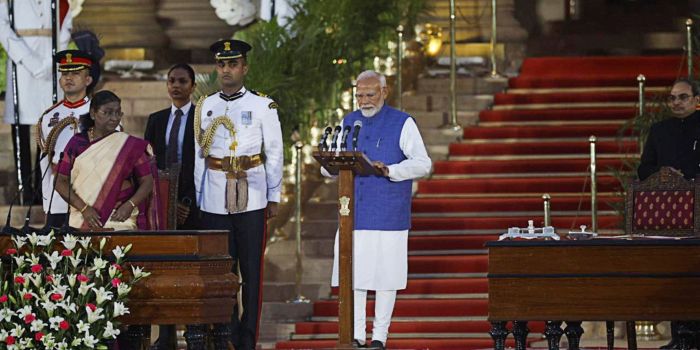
(167, 187)
(665, 204)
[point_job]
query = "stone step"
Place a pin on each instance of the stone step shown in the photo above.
(441, 102)
(438, 136)
(316, 270)
(37, 217)
(437, 119)
(270, 332)
(310, 247)
(284, 291)
(463, 86)
(285, 312)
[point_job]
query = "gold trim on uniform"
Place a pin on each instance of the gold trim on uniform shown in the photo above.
(273, 105)
(52, 137)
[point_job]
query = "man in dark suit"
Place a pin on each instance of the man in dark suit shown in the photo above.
(171, 133)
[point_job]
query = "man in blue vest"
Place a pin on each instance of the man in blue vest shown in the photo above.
(390, 138)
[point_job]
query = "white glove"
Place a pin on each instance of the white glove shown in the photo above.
(40, 69)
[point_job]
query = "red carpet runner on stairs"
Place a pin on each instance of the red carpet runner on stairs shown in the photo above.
(533, 141)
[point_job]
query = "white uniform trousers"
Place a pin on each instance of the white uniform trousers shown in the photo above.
(383, 308)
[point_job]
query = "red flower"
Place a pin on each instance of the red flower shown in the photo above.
(49, 278)
(29, 318)
(92, 307)
(27, 296)
(115, 282)
(64, 325)
(67, 252)
(10, 340)
(38, 336)
(37, 268)
(82, 278)
(56, 297)
(117, 266)
(19, 280)
(11, 251)
(3, 298)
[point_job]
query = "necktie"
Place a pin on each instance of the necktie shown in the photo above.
(173, 144)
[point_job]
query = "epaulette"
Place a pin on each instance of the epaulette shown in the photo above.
(259, 93)
(52, 107)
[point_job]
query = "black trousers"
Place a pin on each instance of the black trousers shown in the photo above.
(246, 244)
(55, 220)
(25, 164)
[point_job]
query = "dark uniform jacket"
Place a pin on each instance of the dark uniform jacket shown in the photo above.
(155, 133)
(673, 142)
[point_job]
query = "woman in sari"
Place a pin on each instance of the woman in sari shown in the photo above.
(108, 176)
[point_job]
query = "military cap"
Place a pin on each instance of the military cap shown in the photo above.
(229, 49)
(72, 60)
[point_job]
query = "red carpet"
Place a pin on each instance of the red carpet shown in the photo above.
(493, 180)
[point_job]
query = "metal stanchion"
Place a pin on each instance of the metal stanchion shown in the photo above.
(594, 186)
(354, 97)
(399, 72)
(640, 111)
(689, 44)
(453, 124)
(494, 65)
(547, 209)
(299, 299)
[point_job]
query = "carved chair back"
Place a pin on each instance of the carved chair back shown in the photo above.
(168, 180)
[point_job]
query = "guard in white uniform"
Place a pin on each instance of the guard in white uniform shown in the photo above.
(238, 175)
(59, 123)
(391, 139)
(29, 46)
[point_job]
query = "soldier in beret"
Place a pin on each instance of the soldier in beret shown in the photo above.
(238, 174)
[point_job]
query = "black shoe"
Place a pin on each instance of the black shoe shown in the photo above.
(376, 344)
(356, 344)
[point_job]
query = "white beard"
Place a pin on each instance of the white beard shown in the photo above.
(370, 112)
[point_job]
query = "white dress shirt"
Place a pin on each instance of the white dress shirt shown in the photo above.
(181, 132)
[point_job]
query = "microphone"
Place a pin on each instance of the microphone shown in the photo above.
(334, 143)
(355, 133)
(344, 144)
(322, 145)
(9, 230)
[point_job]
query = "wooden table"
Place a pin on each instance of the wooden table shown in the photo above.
(191, 282)
(590, 280)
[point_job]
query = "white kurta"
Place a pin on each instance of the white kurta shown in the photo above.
(48, 120)
(380, 258)
(258, 130)
(32, 54)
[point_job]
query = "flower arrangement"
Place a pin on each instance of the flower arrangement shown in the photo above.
(63, 295)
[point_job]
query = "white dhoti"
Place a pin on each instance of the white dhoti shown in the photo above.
(380, 263)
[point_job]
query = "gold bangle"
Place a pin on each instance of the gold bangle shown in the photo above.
(85, 207)
(132, 203)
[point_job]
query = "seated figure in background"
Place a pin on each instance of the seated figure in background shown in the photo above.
(107, 175)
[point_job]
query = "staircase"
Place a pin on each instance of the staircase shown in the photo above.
(533, 140)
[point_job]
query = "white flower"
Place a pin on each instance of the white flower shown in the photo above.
(118, 252)
(76, 342)
(110, 332)
(82, 326)
(94, 316)
(33, 259)
(89, 341)
(49, 307)
(112, 271)
(84, 241)
(102, 295)
(26, 343)
(17, 332)
(98, 264)
(69, 241)
(103, 241)
(84, 288)
(49, 341)
(68, 306)
(26, 310)
(19, 260)
(36, 280)
(55, 322)
(138, 272)
(3, 335)
(37, 326)
(54, 259)
(75, 260)
(19, 241)
(62, 345)
(45, 240)
(123, 289)
(6, 314)
(33, 239)
(119, 309)
(71, 279)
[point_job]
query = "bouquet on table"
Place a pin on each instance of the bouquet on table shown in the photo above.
(62, 295)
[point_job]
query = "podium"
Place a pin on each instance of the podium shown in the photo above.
(347, 165)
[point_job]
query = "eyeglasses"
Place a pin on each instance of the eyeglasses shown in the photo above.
(681, 98)
(112, 114)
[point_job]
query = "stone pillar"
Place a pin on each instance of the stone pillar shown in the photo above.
(127, 29)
